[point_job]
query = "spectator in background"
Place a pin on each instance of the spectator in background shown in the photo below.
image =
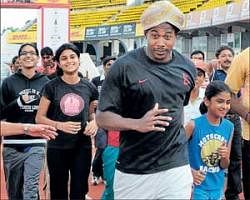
(100, 142)
(23, 155)
(225, 56)
(101, 136)
(198, 55)
(48, 65)
(107, 62)
(239, 77)
(100, 67)
(110, 153)
(109, 157)
(211, 65)
(143, 97)
(15, 64)
(191, 110)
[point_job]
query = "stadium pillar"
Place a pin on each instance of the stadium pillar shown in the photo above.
(115, 47)
(52, 27)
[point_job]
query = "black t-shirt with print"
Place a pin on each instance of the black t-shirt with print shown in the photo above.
(69, 103)
(13, 107)
(132, 87)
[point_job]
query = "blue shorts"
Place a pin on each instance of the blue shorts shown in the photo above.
(199, 194)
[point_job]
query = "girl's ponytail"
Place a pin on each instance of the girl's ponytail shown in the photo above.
(203, 108)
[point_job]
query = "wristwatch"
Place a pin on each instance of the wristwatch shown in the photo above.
(26, 129)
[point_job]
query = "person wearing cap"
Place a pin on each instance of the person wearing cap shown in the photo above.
(101, 136)
(107, 62)
(107, 143)
(107, 153)
(143, 97)
(191, 110)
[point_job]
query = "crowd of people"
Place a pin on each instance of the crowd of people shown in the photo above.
(164, 126)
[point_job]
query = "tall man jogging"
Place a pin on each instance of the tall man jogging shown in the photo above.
(143, 97)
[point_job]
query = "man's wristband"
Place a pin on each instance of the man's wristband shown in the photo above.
(26, 129)
(59, 126)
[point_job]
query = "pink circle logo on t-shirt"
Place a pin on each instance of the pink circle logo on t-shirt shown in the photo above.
(71, 104)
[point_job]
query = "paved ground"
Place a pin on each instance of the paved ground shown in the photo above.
(95, 192)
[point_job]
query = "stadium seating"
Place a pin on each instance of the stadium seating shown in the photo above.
(89, 13)
(87, 4)
(187, 6)
(128, 14)
(213, 3)
(90, 18)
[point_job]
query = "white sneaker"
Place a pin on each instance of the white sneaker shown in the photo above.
(88, 197)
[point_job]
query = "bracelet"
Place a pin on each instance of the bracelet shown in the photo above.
(58, 126)
(26, 129)
(246, 116)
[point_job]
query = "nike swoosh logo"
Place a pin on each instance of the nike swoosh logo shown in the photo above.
(142, 81)
(31, 100)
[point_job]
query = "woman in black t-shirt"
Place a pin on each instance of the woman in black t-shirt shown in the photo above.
(65, 105)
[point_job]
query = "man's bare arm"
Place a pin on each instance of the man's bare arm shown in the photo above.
(237, 106)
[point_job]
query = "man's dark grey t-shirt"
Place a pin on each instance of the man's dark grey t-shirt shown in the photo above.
(132, 87)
